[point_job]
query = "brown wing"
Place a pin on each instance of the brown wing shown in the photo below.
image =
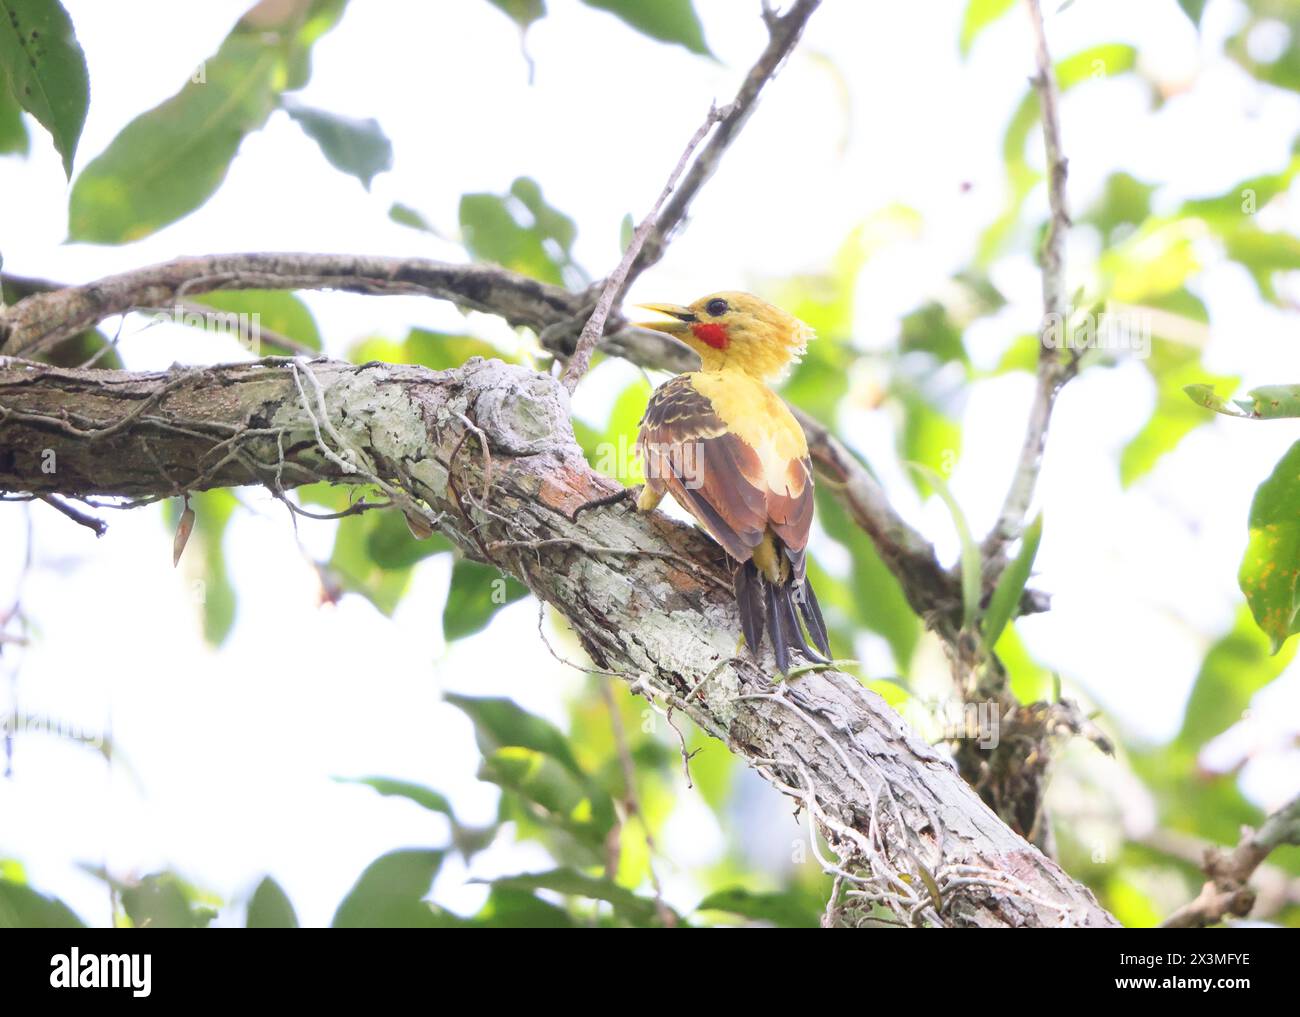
(688, 451)
(790, 511)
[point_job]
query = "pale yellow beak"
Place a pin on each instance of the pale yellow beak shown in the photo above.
(682, 319)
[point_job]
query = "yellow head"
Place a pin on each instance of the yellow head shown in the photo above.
(735, 331)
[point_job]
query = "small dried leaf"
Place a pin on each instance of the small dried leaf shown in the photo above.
(420, 528)
(183, 529)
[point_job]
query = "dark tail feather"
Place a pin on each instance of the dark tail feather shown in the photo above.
(749, 598)
(794, 634)
(812, 616)
(787, 633)
(776, 629)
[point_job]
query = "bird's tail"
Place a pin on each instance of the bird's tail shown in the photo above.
(761, 600)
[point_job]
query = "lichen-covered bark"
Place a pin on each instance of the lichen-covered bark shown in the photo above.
(648, 597)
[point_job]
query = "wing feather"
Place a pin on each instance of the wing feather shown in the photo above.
(688, 451)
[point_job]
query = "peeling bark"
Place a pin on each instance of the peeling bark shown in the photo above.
(648, 597)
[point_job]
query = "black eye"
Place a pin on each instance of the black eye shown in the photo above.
(716, 307)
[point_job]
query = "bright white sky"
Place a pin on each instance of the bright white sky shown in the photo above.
(231, 754)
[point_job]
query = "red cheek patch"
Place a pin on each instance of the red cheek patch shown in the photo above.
(711, 334)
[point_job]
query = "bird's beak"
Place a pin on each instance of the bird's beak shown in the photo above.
(682, 317)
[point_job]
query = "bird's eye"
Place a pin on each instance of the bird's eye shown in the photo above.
(716, 307)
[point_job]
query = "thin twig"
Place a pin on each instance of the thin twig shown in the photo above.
(1052, 372)
(784, 32)
(1226, 891)
(653, 235)
(616, 283)
(76, 515)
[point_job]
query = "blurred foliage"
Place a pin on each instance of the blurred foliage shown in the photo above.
(562, 787)
(521, 232)
(1271, 567)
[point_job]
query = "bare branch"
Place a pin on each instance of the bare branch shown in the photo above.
(784, 32)
(98, 526)
(616, 284)
(42, 319)
(1227, 891)
(1052, 371)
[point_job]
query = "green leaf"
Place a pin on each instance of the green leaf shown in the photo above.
(1225, 211)
(164, 901)
(501, 722)
(277, 311)
(422, 796)
(477, 593)
(970, 552)
(572, 883)
(13, 131)
(519, 231)
(1283, 70)
(45, 70)
(1237, 666)
(1271, 565)
(169, 161)
(930, 329)
(389, 893)
(558, 797)
(612, 451)
(788, 910)
(1174, 365)
(665, 20)
(270, 908)
(1125, 203)
(878, 602)
(1011, 584)
(1263, 255)
(441, 351)
(1268, 402)
(21, 907)
(1193, 9)
(373, 555)
(513, 909)
(391, 545)
(928, 435)
(405, 215)
(358, 147)
(979, 14)
(522, 12)
(1271, 402)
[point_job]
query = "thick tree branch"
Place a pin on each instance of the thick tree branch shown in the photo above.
(1227, 891)
(43, 319)
(648, 597)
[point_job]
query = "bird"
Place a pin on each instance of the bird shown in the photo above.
(731, 453)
